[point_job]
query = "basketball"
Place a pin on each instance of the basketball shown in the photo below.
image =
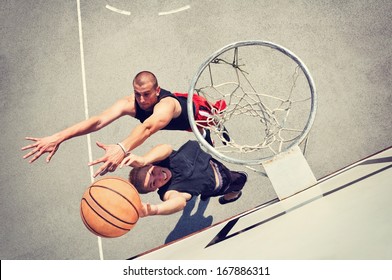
(110, 207)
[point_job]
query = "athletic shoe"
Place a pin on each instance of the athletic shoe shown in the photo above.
(226, 136)
(222, 199)
(239, 179)
(208, 137)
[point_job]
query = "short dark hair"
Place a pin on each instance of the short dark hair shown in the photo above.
(137, 179)
(145, 76)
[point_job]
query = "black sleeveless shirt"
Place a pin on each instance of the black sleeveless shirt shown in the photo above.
(179, 123)
(191, 171)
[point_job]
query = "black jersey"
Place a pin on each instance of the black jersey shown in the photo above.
(191, 170)
(179, 123)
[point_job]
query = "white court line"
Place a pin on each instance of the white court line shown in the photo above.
(114, 9)
(90, 157)
(175, 11)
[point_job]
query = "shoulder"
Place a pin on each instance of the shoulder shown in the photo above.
(123, 106)
(167, 104)
(190, 146)
(167, 96)
(128, 104)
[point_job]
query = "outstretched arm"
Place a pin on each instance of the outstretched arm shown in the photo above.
(50, 144)
(158, 153)
(174, 202)
(164, 112)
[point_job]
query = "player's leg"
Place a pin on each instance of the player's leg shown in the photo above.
(238, 180)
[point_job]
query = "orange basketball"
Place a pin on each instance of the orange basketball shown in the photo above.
(110, 207)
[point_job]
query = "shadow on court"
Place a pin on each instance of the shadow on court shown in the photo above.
(188, 222)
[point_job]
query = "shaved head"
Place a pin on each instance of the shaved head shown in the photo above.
(145, 77)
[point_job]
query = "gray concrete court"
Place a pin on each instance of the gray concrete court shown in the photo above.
(345, 44)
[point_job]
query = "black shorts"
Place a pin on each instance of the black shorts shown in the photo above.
(227, 177)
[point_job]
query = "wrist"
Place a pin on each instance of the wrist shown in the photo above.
(122, 148)
(60, 137)
(156, 210)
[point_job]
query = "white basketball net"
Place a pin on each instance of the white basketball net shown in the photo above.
(262, 89)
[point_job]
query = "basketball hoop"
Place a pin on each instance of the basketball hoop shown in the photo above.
(270, 101)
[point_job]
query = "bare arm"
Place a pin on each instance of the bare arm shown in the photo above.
(174, 202)
(158, 153)
(163, 113)
(50, 144)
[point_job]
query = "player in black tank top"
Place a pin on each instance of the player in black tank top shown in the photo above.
(179, 123)
(147, 93)
(190, 171)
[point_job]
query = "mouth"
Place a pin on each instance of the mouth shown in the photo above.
(146, 108)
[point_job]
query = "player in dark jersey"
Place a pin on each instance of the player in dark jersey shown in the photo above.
(156, 108)
(182, 121)
(180, 175)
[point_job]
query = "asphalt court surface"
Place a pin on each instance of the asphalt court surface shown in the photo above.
(346, 47)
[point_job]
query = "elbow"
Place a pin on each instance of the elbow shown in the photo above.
(96, 123)
(148, 129)
(151, 126)
(182, 205)
(167, 148)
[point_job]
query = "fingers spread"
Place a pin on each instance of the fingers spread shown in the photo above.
(29, 147)
(32, 138)
(101, 145)
(97, 161)
(126, 161)
(50, 156)
(31, 153)
(105, 169)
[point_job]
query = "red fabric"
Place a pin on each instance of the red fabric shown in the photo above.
(202, 105)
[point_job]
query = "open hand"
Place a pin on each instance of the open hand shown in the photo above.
(40, 146)
(134, 161)
(112, 158)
